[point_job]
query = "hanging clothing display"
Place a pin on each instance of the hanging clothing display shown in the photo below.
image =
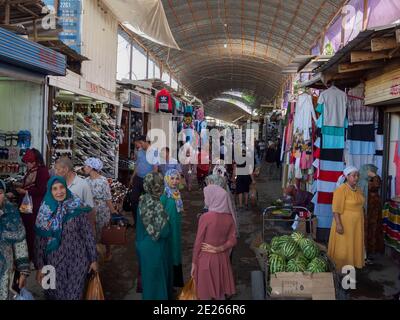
(328, 151)
(164, 101)
(304, 115)
(334, 101)
(378, 159)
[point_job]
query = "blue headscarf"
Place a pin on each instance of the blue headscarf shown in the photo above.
(173, 192)
(53, 214)
(11, 229)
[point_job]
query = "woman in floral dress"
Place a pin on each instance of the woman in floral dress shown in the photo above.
(102, 198)
(65, 241)
(13, 247)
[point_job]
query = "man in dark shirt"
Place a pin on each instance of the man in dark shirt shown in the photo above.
(300, 198)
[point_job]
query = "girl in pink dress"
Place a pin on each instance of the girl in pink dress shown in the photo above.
(216, 236)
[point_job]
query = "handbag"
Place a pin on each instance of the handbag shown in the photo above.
(94, 289)
(114, 235)
(189, 291)
(127, 204)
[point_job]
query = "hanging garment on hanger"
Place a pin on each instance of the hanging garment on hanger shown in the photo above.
(304, 115)
(334, 101)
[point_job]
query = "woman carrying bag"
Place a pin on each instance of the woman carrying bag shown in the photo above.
(64, 240)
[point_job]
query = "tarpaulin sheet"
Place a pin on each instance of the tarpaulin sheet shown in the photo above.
(146, 18)
(383, 12)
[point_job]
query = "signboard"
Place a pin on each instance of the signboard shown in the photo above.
(135, 100)
(21, 52)
(69, 14)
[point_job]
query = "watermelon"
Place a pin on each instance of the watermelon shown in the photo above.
(315, 267)
(277, 263)
(265, 247)
(290, 249)
(320, 264)
(277, 242)
(297, 236)
(309, 248)
(302, 259)
(295, 265)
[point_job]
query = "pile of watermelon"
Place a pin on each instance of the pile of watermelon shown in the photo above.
(294, 253)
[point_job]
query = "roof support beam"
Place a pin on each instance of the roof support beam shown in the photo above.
(360, 56)
(351, 67)
(380, 44)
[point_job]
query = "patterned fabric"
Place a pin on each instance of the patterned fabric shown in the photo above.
(391, 224)
(152, 212)
(30, 178)
(94, 163)
(13, 248)
(101, 194)
(173, 192)
(53, 214)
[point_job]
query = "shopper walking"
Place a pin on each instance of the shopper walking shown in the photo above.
(173, 205)
(188, 167)
(153, 241)
(144, 165)
(102, 198)
(244, 178)
(270, 158)
(346, 240)
(216, 236)
(13, 247)
(34, 184)
(167, 162)
(64, 240)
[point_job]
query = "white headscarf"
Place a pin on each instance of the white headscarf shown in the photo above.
(348, 170)
(94, 163)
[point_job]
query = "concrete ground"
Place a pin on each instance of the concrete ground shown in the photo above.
(119, 276)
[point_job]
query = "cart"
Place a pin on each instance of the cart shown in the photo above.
(279, 225)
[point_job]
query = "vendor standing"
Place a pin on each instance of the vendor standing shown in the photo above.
(346, 240)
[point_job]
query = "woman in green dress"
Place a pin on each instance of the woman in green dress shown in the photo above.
(173, 205)
(152, 241)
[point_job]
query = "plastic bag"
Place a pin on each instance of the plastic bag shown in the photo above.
(26, 205)
(188, 291)
(24, 295)
(94, 289)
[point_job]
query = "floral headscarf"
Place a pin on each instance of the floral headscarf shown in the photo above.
(11, 230)
(94, 163)
(173, 192)
(151, 210)
(53, 214)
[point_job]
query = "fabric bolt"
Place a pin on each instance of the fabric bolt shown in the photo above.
(325, 197)
(331, 154)
(391, 224)
(327, 165)
(378, 161)
(335, 104)
(396, 161)
(359, 160)
(325, 186)
(361, 132)
(361, 147)
(358, 113)
(304, 116)
(330, 176)
(378, 142)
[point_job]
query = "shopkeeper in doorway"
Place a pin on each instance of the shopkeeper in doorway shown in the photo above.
(146, 162)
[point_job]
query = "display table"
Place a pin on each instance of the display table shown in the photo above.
(391, 224)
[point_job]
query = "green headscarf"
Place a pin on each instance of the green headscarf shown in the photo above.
(53, 214)
(152, 212)
(217, 180)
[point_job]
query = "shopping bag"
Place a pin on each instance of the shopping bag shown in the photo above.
(94, 289)
(26, 205)
(189, 291)
(114, 235)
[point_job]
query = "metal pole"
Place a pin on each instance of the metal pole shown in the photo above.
(131, 61)
(147, 65)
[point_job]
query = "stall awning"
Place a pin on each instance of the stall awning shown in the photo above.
(18, 51)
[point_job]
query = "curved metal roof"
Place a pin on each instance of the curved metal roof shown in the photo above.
(240, 44)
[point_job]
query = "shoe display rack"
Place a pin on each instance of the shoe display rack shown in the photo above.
(83, 130)
(136, 127)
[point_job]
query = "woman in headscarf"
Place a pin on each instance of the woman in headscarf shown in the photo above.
(34, 183)
(216, 236)
(101, 197)
(152, 241)
(173, 205)
(370, 184)
(65, 241)
(13, 248)
(346, 240)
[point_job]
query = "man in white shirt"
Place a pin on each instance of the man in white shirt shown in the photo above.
(76, 184)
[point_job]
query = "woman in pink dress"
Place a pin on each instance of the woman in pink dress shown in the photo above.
(216, 236)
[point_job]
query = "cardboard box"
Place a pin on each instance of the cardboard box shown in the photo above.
(316, 286)
(302, 227)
